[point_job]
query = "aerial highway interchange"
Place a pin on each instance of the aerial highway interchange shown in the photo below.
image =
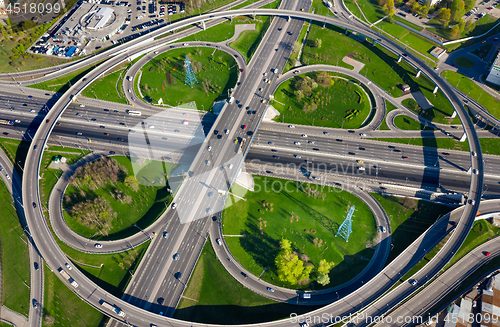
(266, 144)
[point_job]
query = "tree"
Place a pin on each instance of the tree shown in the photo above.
(317, 43)
(325, 266)
(299, 95)
(461, 25)
(469, 26)
(455, 32)
(444, 14)
(389, 8)
(290, 268)
(415, 7)
(323, 279)
(131, 182)
(457, 10)
(469, 4)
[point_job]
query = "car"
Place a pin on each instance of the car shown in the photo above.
(449, 134)
(382, 228)
(310, 142)
(362, 149)
(176, 256)
(413, 282)
(270, 289)
(218, 241)
(47, 121)
(174, 205)
(78, 114)
(214, 218)
(25, 105)
(279, 28)
(296, 143)
(209, 148)
(32, 110)
(473, 153)
(78, 133)
(68, 266)
(495, 39)
(297, 156)
(472, 202)
(165, 234)
(304, 135)
(230, 166)
(236, 56)
(291, 126)
(244, 127)
(102, 126)
(1, 168)
(82, 106)
(151, 126)
(487, 254)
(362, 134)
(207, 162)
(244, 275)
(242, 70)
(34, 205)
(34, 303)
(276, 157)
(226, 131)
(396, 150)
(270, 142)
(178, 275)
(98, 246)
(290, 33)
(160, 300)
(106, 134)
(35, 264)
(316, 178)
(475, 171)
(404, 157)
(359, 161)
(301, 9)
(35, 147)
(112, 152)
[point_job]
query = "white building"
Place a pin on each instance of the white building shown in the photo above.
(494, 75)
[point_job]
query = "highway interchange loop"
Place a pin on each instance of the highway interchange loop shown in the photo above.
(371, 290)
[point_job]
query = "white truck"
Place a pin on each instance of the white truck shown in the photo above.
(67, 277)
(112, 308)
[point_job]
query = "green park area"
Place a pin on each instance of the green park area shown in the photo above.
(407, 123)
(163, 77)
(248, 41)
(14, 256)
(307, 217)
(409, 218)
(213, 296)
(108, 87)
(470, 88)
(322, 99)
(389, 107)
(107, 198)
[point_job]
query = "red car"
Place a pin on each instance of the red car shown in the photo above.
(404, 157)
(241, 70)
(244, 127)
(487, 253)
(47, 121)
(495, 39)
(107, 134)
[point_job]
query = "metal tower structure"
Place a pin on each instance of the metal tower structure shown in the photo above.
(345, 229)
(190, 78)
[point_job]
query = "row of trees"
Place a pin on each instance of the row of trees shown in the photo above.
(294, 270)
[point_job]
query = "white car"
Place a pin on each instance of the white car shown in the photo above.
(129, 90)
(98, 246)
(209, 148)
(185, 44)
(475, 171)
(82, 106)
(362, 134)
(304, 135)
(68, 266)
(151, 126)
(174, 205)
(296, 143)
(291, 126)
(219, 241)
(230, 166)
(79, 133)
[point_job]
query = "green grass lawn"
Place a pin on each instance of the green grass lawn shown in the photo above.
(148, 203)
(482, 26)
(63, 308)
(218, 33)
(112, 272)
(163, 77)
(264, 227)
(15, 259)
(108, 88)
(62, 83)
(371, 9)
(213, 296)
(389, 107)
(464, 62)
(408, 123)
(467, 86)
(414, 41)
(334, 104)
(409, 219)
(248, 41)
(442, 143)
